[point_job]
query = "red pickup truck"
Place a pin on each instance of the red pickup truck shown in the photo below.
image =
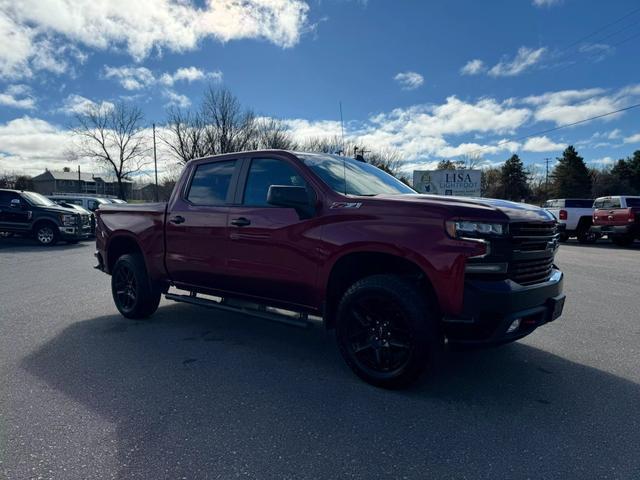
(617, 217)
(287, 235)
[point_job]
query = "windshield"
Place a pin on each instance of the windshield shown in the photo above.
(352, 177)
(37, 200)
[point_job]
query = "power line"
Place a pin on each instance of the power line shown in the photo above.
(598, 30)
(549, 130)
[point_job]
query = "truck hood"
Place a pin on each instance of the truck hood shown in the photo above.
(59, 209)
(515, 212)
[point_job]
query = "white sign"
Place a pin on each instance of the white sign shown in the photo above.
(464, 183)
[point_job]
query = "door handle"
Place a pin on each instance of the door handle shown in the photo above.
(241, 222)
(178, 219)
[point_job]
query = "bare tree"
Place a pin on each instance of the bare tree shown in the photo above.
(272, 133)
(185, 134)
(113, 136)
(228, 126)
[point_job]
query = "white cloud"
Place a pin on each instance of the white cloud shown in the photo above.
(604, 161)
(633, 138)
(138, 78)
(569, 106)
(189, 74)
(420, 131)
(138, 26)
(131, 78)
(302, 129)
(473, 67)
(409, 80)
(77, 104)
(176, 99)
(542, 144)
(597, 51)
(524, 59)
(30, 145)
(18, 96)
(546, 3)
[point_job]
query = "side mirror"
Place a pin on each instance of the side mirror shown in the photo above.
(16, 203)
(293, 197)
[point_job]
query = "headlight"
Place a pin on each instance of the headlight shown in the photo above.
(68, 220)
(469, 228)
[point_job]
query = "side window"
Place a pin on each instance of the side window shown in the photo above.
(210, 183)
(92, 205)
(615, 203)
(6, 197)
(265, 172)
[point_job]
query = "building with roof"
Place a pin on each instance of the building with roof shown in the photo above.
(61, 181)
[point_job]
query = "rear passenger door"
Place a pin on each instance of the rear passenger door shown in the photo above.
(12, 217)
(196, 226)
(272, 250)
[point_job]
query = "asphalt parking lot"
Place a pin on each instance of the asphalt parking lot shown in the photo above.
(197, 393)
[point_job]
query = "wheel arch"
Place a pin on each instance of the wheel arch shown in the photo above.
(355, 265)
(119, 245)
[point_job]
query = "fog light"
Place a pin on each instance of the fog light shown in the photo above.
(514, 325)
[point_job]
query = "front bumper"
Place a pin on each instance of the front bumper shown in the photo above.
(491, 307)
(74, 232)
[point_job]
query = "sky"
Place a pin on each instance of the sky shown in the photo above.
(432, 79)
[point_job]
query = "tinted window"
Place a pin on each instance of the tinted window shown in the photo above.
(265, 172)
(348, 176)
(210, 184)
(6, 197)
(579, 203)
(607, 203)
(633, 202)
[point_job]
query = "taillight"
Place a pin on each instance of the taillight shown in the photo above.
(632, 216)
(563, 215)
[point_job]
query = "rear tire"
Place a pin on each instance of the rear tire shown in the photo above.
(622, 240)
(46, 234)
(134, 295)
(386, 331)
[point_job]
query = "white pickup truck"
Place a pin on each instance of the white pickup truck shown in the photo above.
(574, 216)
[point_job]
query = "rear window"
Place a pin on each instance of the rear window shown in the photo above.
(607, 203)
(210, 183)
(579, 203)
(633, 202)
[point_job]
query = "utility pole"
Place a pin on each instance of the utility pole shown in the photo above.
(79, 181)
(546, 177)
(155, 161)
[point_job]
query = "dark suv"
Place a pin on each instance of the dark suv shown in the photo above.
(29, 213)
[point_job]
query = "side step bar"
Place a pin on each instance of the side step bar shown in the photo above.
(297, 319)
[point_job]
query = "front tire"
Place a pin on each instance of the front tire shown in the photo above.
(386, 331)
(46, 234)
(132, 291)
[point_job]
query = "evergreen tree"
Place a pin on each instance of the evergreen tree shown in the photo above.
(513, 178)
(627, 174)
(570, 176)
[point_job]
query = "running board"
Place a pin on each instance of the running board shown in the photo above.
(296, 320)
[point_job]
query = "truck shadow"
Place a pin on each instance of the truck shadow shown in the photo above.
(205, 394)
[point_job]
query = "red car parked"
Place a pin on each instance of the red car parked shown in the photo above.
(393, 272)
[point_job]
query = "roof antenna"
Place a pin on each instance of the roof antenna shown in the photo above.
(341, 125)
